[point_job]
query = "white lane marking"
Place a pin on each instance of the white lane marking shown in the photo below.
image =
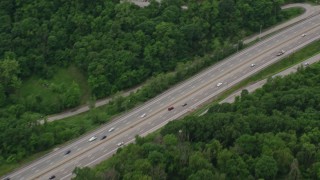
(89, 155)
(128, 123)
(51, 163)
(106, 150)
(79, 165)
(37, 170)
(65, 177)
(61, 170)
(129, 138)
(193, 87)
(141, 131)
(196, 100)
(92, 157)
(79, 149)
(33, 168)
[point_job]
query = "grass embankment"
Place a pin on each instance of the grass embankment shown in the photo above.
(104, 114)
(291, 60)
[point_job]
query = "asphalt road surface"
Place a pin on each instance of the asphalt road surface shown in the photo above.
(259, 84)
(194, 92)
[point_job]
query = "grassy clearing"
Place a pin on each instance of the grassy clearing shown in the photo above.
(42, 88)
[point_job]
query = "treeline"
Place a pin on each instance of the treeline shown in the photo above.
(120, 45)
(270, 134)
(116, 45)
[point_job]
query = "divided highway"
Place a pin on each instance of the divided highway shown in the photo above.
(184, 97)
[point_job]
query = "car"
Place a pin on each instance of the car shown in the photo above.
(67, 152)
(303, 35)
(120, 144)
(7, 178)
(306, 64)
(281, 52)
(103, 137)
(252, 65)
(143, 115)
(185, 104)
(52, 177)
(92, 138)
(170, 108)
(111, 129)
(219, 84)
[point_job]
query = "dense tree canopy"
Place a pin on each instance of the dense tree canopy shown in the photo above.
(120, 45)
(270, 134)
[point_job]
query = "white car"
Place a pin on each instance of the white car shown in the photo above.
(219, 84)
(303, 35)
(306, 64)
(281, 52)
(111, 129)
(252, 65)
(92, 138)
(120, 144)
(143, 115)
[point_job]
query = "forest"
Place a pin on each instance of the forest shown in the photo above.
(114, 45)
(270, 134)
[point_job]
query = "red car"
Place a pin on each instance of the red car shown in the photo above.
(170, 108)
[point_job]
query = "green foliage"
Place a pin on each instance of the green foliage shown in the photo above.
(266, 168)
(64, 89)
(116, 46)
(257, 137)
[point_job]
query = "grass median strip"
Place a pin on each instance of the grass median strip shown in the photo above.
(293, 59)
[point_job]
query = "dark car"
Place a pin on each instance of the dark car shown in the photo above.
(183, 105)
(103, 137)
(7, 178)
(170, 108)
(67, 152)
(52, 177)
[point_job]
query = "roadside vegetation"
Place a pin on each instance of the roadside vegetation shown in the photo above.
(293, 59)
(270, 134)
(49, 60)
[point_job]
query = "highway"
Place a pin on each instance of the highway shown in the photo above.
(194, 92)
(309, 10)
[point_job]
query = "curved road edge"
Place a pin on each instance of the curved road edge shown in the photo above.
(259, 84)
